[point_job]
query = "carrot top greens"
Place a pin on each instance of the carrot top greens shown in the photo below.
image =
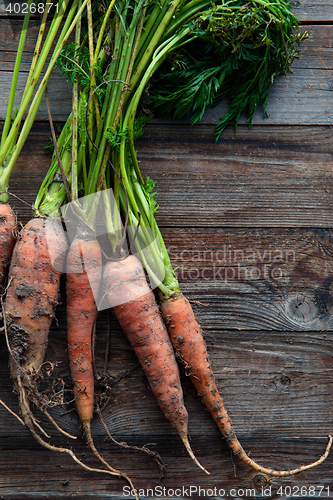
(13, 137)
(239, 49)
(186, 57)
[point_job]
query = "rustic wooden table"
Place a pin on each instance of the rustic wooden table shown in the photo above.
(247, 221)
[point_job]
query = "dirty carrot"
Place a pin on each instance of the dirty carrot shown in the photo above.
(94, 178)
(29, 306)
(7, 237)
(142, 208)
(83, 269)
(32, 294)
(185, 332)
(188, 341)
(83, 273)
(140, 319)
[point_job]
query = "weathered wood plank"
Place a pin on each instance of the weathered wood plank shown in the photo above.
(316, 50)
(264, 177)
(59, 95)
(306, 10)
(276, 279)
(233, 182)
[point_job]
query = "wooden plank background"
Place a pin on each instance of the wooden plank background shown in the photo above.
(248, 223)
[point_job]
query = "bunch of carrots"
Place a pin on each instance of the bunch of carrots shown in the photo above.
(95, 171)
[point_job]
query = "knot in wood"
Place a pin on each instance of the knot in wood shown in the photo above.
(285, 380)
(260, 481)
(301, 308)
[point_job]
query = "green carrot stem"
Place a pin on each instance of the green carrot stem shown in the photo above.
(92, 74)
(49, 188)
(126, 57)
(100, 139)
(15, 75)
(83, 139)
(75, 90)
(165, 48)
(36, 101)
(32, 67)
(38, 69)
(150, 27)
(108, 217)
(187, 12)
(144, 61)
(37, 50)
(107, 110)
(102, 31)
(131, 51)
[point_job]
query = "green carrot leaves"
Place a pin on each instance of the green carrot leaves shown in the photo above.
(237, 49)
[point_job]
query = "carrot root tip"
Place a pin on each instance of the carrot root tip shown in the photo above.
(185, 440)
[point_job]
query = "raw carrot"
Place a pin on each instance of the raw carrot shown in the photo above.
(29, 308)
(31, 298)
(84, 264)
(32, 294)
(137, 312)
(83, 269)
(7, 237)
(188, 341)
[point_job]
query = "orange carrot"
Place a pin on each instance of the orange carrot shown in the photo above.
(7, 237)
(135, 307)
(29, 307)
(84, 264)
(188, 341)
(32, 294)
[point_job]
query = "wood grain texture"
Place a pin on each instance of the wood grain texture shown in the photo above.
(307, 10)
(264, 177)
(269, 176)
(60, 100)
(262, 279)
(247, 222)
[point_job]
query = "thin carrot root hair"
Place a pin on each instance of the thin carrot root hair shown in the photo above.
(110, 469)
(187, 338)
(87, 431)
(33, 391)
(154, 454)
(30, 423)
(136, 309)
